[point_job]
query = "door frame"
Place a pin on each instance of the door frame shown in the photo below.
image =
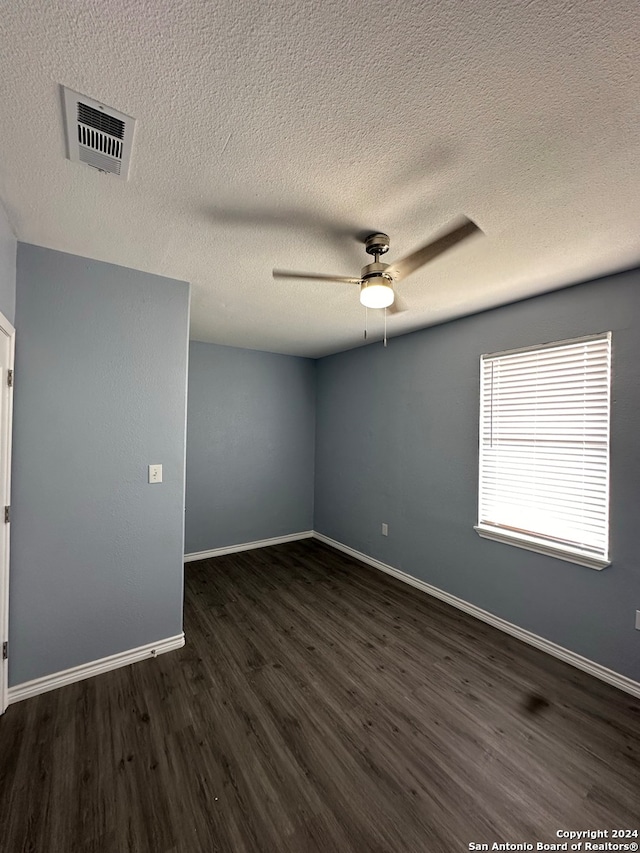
(8, 333)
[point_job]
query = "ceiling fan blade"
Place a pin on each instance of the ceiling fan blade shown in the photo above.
(342, 279)
(398, 305)
(404, 267)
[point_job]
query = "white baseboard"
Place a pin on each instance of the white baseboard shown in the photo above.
(247, 546)
(566, 655)
(95, 667)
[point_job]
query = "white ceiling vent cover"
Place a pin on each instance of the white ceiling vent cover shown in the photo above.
(97, 135)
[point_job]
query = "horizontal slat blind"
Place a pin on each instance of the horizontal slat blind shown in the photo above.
(544, 443)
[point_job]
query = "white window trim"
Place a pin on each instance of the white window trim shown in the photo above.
(530, 543)
(524, 540)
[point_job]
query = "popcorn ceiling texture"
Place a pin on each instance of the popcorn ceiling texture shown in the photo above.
(273, 133)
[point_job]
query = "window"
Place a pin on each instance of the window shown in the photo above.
(544, 449)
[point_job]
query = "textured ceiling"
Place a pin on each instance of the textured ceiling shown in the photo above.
(272, 134)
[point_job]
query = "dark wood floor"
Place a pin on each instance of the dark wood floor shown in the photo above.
(319, 706)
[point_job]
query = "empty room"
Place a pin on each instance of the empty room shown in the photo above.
(319, 416)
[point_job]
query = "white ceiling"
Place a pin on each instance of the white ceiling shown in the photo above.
(272, 134)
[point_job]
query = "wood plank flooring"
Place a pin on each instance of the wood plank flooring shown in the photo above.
(319, 707)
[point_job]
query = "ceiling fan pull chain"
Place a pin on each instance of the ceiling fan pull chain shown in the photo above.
(385, 326)
(366, 315)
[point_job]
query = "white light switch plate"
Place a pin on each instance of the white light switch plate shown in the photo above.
(638, 619)
(155, 473)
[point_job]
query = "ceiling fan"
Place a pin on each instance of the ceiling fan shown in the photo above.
(377, 280)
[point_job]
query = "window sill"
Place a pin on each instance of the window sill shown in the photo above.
(529, 543)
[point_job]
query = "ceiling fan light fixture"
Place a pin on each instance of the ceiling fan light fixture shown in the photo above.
(376, 292)
(377, 280)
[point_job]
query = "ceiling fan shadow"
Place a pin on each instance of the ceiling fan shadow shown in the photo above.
(345, 237)
(420, 182)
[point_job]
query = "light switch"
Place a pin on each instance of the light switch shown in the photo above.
(155, 473)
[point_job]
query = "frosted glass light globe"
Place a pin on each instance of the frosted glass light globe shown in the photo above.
(376, 292)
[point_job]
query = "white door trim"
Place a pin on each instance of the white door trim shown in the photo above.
(7, 332)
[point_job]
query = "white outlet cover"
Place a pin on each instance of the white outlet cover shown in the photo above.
(155, 473)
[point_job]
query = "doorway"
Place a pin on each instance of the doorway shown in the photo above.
(7, 348)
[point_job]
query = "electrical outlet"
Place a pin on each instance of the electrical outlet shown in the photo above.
(385, 529)
(155, 473)
(637, 620)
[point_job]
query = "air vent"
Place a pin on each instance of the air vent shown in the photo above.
(97, 135)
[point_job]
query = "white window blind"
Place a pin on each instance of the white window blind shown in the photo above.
(544, 448)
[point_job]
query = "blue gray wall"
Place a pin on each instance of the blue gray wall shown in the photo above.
(96, 552)
(8, 245)
(250, 447)
(397, 441)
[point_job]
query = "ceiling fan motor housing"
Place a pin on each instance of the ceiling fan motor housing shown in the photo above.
(375, 269)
